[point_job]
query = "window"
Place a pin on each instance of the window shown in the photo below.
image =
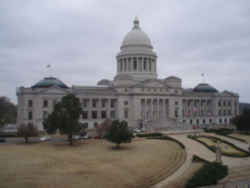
(191, 121)
(104, 115)
(30, 103)
(85, 102)
(112, 103)
(224, 103)
(126, 113)
(94, 114)
(149, 66)
(176, 113)
(45, 103)
(219, 103)
(176, 102)
(204, 121)
(198, 121)
(45, 114)
(85, 115)
(30, 115)
(125, 103)
(103, 103)
(94, 103)
(112, 114)
(95, 125)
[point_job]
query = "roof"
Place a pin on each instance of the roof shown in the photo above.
(48, 82)
(136, 37)
(206, 88)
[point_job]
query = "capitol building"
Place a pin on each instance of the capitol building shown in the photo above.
(135, 94)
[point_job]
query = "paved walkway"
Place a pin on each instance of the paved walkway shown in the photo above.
(195, 148)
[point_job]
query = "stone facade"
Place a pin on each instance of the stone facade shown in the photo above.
(136, 94)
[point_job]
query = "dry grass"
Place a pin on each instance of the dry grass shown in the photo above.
(90, 164)
(181, 182)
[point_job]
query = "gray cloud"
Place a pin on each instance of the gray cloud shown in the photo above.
(80, 39)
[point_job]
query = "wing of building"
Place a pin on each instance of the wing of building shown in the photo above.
(136, 94)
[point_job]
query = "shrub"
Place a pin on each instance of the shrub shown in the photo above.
(209, 174)
(27, 131)
(119, 133)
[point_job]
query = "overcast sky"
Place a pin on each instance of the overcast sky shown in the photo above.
(80, 39)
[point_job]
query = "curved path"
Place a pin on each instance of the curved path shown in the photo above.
(195, 148)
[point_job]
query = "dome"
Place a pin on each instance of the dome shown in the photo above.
(48, 82)
(136, 37)
(173, 78)
(104, 82)
(204, 87)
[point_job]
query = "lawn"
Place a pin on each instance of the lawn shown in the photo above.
(226, 149)
(91, 164)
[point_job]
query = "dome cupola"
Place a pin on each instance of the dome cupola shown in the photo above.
(136, 37)
(136, 57)
(206, 88)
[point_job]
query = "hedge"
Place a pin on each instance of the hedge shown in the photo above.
(165, 137)
(213, 148)
(209, 174)
(221, 131)
(196, 158)
(149, 134)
